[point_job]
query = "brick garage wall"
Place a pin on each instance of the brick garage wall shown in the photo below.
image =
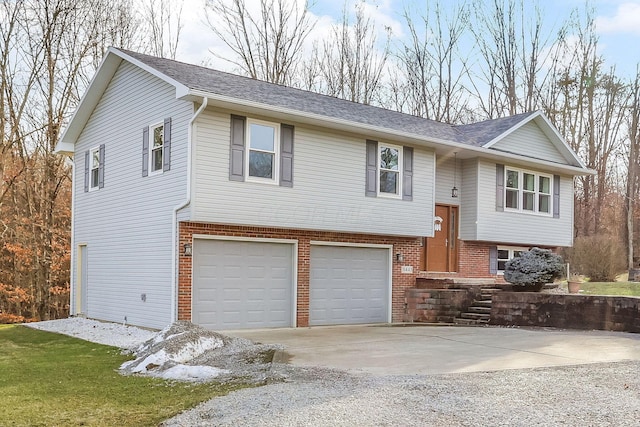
(409, 247)
(566, 311)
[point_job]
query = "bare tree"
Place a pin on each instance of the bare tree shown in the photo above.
(514, 56)
(48, 52)
(351, 64)
(434, 69)
(633, 163)
(267, 44)
(162, 24)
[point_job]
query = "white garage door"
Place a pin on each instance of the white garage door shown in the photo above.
(348, 285)
(239, 285)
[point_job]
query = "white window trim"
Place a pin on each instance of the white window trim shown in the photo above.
(400, 170)
(521, 191)
(152, 128)
(93, 187)
(511, 250)
(275, 179)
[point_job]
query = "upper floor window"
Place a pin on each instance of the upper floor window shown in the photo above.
(389, 170)
(94, 168)
(262, 150)
(527, 191)
(157, 148)
(390, 173)
(94, 175)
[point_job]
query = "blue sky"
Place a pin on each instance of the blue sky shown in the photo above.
(617, 23)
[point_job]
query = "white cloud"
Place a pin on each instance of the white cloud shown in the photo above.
(626, 20)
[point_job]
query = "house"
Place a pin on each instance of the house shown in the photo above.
(237, 203)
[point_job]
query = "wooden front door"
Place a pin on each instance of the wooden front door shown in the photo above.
(440, 252)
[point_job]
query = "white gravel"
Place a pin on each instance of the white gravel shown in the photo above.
(113, 334)
(606, 394)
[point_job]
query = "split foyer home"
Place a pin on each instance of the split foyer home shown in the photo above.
(237, 203)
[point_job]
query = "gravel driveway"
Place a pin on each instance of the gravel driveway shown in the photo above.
(604, 394)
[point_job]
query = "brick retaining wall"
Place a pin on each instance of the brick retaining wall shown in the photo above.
(437, 305)
(566, 311)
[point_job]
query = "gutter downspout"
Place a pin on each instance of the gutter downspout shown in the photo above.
(73, 269)
(185, 203)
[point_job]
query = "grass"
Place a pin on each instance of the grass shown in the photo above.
(611, 288)
(48, 379)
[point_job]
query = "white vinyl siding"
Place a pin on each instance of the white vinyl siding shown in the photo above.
(127, 224)
(530, 141)
(328, 190)
(515, 227)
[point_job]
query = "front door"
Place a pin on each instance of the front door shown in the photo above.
(440, 251)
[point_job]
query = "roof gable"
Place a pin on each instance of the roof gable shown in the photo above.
(530, 139)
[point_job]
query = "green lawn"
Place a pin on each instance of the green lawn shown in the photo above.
(611, 288)
(49, 379)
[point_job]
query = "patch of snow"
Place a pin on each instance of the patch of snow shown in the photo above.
(191, 373)
(182, 351)
(113, 334)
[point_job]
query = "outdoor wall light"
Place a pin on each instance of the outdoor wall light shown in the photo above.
(399, 257)
(187, 249)
(454, 190)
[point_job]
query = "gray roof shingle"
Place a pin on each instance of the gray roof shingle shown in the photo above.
(481, 133)
(245, 88)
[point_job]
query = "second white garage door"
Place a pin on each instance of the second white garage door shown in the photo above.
(348, 285)
(242, 284)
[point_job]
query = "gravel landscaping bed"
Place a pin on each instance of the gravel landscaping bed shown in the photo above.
(585, 395)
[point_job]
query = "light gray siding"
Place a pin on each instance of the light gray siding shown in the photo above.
(469, 208)
(328, 190)
(445, 169)
(530, 141)
(520, 228)
(127, 225)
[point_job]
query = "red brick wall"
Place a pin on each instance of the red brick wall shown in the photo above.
(473, 259)
(409, 247)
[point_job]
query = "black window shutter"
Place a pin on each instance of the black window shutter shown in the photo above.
(166, 145)
(499, 187)
(145, 151)
(556, 196)
(286, 156)
(407, 173)
(101, 166)
(236, 157)
(493, 260)
(86, 170)
(371, 177)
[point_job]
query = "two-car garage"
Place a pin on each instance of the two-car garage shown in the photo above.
(238, 284)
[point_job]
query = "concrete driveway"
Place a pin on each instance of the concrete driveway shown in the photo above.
(406, 350)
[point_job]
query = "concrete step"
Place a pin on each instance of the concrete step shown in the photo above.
(476, 309)
(475, 316)
(469, 322)
(483, 303)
